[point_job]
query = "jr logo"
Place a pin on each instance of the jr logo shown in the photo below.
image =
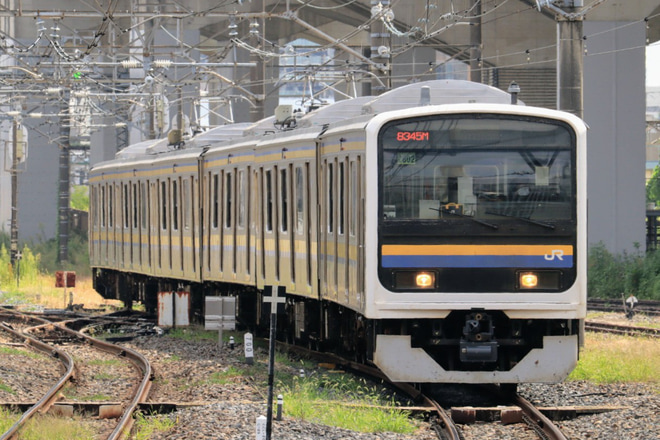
(556, 253)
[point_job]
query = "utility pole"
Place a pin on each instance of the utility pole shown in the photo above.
(570, 63)
(570, 44)
(13, 244)
(475, 43)
(63, 200)
(381, 44)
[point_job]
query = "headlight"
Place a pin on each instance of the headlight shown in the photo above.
(539, 280)
(424, 280)
(528, 280)
(414, 280)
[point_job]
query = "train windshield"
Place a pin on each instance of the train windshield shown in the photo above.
(478, 170)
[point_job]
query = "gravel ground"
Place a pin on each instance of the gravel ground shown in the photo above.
(228, 409)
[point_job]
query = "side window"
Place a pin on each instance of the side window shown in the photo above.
(125, 205)
(187, 210)
(242, 200)
(135, 206)
(175, 205)
(103, 207)
(331, 198)
(300, 197)
(353, 185)
(163, 205)
(111, 205)
(144, 204)
(216, 201)
(284, 200)
(229, 199)
(341, 199)
(269, 201)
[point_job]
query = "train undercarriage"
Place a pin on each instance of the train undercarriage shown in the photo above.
(468, 346)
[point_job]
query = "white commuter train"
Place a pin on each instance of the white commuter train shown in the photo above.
(436, 231)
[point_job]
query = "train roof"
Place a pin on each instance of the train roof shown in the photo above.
(435, 92)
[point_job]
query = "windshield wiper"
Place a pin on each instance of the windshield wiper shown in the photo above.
(525, 219)
(450, 212)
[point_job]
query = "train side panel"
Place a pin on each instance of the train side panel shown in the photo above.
(341, 226)
(287, 234)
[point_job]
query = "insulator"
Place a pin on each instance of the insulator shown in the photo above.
(163, 63)
(130, 64)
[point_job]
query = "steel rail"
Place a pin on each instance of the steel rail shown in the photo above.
(606, 327)
(446, 423)
(52, 394)
(535, 415)
(126, 421)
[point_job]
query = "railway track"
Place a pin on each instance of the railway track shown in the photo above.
(131, 375)
(646, 307)
(619, 329)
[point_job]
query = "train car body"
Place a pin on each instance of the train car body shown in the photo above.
(436, 231)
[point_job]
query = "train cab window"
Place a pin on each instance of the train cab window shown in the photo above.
(163, 204)
(228, 199)
(284, 200)
(175, 205)
(215, 201)
(269, 201)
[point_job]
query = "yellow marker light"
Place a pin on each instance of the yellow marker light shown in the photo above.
(528, 280)
(424, 280)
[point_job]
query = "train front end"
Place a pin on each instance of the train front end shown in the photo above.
(476, 243)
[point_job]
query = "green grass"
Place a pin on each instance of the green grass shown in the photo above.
(105, 362)
(9, 351)
(617, 359)
(7, 419)
(146, 427)
(193, 334)
(47, 427)
(342, 401)
(6, 388)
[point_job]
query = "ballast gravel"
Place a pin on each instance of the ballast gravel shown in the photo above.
(228, 408)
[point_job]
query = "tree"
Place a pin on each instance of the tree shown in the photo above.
(653, 187)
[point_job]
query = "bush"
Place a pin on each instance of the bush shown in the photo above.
(610, 276)
(28, 267)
